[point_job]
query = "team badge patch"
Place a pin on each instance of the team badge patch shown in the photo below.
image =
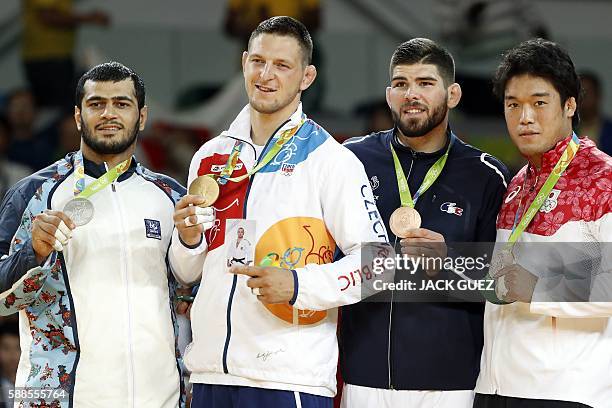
(287, 169)
(451, 208)
(153, 228)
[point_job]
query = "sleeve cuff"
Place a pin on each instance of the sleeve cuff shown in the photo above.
(182, 248)
(295, 287)
(30, 256)
(191, 246)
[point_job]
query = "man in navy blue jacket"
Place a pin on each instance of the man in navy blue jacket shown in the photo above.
(399, 354)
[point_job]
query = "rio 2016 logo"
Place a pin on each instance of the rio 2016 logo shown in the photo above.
(297, 241)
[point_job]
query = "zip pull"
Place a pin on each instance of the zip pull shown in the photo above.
(113, 183)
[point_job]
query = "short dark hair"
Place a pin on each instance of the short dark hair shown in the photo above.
(111, 72)
(540, 58)
(424, 51)
(287, 26)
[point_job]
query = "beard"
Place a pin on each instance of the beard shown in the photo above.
(104, 147)
(419, 127)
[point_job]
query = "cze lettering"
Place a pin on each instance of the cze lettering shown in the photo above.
(373, 214)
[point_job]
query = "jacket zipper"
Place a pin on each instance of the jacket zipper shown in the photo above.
(389, 362)
(500, 321)
(124, 271)
(235, 278)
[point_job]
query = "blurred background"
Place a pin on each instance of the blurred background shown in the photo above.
(188, 53)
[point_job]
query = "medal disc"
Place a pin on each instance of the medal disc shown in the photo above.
(79, 210)
(500, 260)
(404, 219)
(500, 288)
(206, 187)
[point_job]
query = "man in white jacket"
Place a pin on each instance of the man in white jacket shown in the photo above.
(265, 336)
(552, 348)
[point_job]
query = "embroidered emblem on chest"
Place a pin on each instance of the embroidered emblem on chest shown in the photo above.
(153, 229)
(451, 208)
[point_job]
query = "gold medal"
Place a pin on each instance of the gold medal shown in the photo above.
(206, 187)
(403, 220)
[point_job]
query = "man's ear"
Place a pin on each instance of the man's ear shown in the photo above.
(310, 73)
(143, 117)
(570, 107)
(77, 117)
(245, 55)
(454, 95)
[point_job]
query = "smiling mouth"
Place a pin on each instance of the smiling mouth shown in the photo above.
(109, 128)
(264, 88)
(413, 111)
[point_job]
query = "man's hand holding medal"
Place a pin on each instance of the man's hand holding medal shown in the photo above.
(193, 214)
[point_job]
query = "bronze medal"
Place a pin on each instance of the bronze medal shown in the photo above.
(206, 187)
(403, 220)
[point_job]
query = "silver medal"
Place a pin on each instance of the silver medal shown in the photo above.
(79, 210)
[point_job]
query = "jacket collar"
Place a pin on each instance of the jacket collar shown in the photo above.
(551, 157)
(96, 170)
(420, 155)
(241, 126)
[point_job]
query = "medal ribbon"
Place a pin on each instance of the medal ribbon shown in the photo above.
(566, 158)
(231, 163)
(233, 159)
(103, 181)
(517, 229)
(430, 177)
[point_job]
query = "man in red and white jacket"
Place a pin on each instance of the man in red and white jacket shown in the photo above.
(538, 352)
